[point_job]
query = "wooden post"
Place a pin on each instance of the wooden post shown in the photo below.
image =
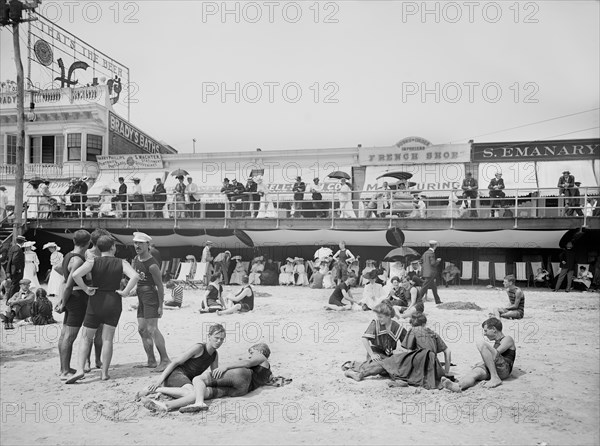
(20, 171)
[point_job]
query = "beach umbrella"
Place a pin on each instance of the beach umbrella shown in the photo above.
(178, 172)
(398, 175)
(322, 253)
(399, 254)
(338, 174)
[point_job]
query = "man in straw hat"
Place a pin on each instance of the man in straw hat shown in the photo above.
(150, 294)
(19, 305)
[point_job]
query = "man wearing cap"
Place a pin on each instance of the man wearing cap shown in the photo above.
(83, 190)
(19, 305)
(299, 188)
(159, 195)
(191, 190)
(430, 266)
(470, 191)
(252, 197)
(15, 266)
(496, 187)
(3, 202)
(238, 198)
(150, 294)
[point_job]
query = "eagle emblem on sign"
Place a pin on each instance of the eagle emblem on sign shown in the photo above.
(43, 52)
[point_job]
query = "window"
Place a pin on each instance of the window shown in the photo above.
(94, 147)
(74, 146)
(46, 149)
(11, 149)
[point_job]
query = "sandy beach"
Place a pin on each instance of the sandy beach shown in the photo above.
(551, 397)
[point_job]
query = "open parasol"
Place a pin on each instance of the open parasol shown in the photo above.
(338, 174)
(397, 175)
(399, 254)
(322, 253)
(178, 172)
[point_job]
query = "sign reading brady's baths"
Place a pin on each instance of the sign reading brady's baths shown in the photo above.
(414, 150)
(125, 138)
(537, 150)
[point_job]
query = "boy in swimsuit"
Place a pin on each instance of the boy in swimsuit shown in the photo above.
(516, 297)
(497, 360)
(242, 302)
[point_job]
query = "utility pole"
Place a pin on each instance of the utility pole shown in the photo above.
(194, 141)
(11, 14)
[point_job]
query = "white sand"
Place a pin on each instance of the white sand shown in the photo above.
(552, 396)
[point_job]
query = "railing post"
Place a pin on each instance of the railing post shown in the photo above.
(583, 208)
(278, 209)
(390, 213)
(333, 210)
(176, 210)
(452, 210)
(127, 211)
(516, 208)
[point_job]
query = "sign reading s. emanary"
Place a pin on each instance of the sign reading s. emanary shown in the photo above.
(414, 151)
(537, 150)
(125, 138)
(72, 62)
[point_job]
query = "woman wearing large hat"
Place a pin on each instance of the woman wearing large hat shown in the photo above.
(56, 259)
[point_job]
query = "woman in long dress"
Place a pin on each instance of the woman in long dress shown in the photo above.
(286, 277)
(106, 203)
(32, 200)
(256, 270)
(56, 259)
(32, 265)
(300, 269)
(44, 207)
(238, 272)
(266, 208)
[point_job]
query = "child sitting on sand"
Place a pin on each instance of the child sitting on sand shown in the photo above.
(242, 302)
(212, 300)
(41, 309)
(497, 362)
(176, 294)
(342, 291)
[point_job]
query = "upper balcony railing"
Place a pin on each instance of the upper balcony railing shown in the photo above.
(382, 205)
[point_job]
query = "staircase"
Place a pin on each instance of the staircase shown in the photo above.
(6, 230)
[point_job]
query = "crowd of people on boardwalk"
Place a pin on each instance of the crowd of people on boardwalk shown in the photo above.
(91, 283)
(255, 199)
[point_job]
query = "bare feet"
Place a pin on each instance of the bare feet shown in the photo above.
(352, 374)
(453, 387)
(66, 375)
(398, 383)
(87, 368)
(150, 365)
(104, 377)
(161, 367)
(154, 406)
(193, 408)
(492, 383)
(76, 377)
(218, 314)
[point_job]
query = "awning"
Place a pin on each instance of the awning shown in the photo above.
(585, 171)
(430, 179)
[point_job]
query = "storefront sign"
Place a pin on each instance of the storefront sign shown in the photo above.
(130, 136)
(537, 150)
(131, 162)
(415, 152)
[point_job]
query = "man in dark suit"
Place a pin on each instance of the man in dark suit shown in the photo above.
(252, 197)
(430, 264)
(15, 265)
(121, 198)
(159, 195)
(568, 264)
(496, 192)
(299, 188)
(470, 190)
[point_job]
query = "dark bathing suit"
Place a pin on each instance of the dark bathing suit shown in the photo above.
(186, 372)
(78, 301)
(146, 289)
(247, 303)
(106, 305)
(337, 295)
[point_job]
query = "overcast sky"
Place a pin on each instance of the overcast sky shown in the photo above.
(337, 74)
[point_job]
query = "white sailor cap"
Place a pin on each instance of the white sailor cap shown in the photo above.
(141, 237)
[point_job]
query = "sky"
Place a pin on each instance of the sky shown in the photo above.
(238, 76)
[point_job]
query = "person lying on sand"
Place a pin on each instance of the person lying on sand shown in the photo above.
(234, 380)
(176, 380)
(242, 302)
(342, 291)
(497, 360)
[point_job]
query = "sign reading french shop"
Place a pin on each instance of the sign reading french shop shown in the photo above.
(414, 150)
(122, 162)
(131, 135)
(537, 150)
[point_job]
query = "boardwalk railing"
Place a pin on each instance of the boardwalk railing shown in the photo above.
(390, 205)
